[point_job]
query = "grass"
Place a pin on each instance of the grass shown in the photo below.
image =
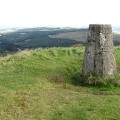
(38, 85)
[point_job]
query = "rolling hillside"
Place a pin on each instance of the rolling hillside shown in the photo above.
(30, 38)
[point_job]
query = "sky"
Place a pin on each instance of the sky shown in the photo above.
(58, 13)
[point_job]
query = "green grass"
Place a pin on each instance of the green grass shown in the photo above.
(39, 85)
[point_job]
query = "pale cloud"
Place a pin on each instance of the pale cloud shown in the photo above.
(73, 13)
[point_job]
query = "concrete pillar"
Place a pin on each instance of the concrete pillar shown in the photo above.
(99, 57)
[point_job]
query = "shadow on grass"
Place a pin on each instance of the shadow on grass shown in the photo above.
(91, 80)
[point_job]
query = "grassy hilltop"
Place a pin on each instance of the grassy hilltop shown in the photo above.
(40, 85)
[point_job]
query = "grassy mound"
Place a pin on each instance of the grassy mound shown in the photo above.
(38, 85)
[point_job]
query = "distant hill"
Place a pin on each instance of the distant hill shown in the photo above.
(12, 40)
(81, 36)
(116, 38)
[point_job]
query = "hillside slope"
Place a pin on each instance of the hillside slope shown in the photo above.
(31, 38)
(39, 85)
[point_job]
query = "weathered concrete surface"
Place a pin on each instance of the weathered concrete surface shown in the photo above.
(99, 53)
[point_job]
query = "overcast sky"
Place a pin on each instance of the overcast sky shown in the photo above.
(58, 13)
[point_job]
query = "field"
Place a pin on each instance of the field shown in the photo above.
(42, 84)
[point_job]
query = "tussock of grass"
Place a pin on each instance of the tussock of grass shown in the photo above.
(45, 84)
